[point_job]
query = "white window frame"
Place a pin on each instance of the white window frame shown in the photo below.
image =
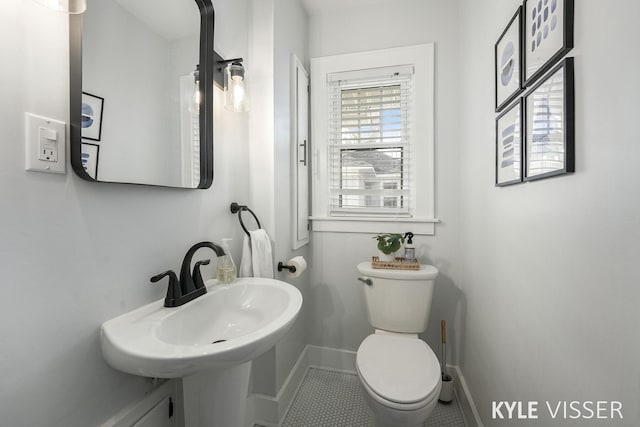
(400, 77)
(422, 219)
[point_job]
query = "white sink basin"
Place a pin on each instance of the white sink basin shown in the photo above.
(244, 319)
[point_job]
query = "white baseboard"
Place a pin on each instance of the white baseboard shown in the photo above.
(270, 411)
(332, 358)
(132, 413)
(463, 394)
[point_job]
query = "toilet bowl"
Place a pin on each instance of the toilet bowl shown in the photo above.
(399, 373)
(401, 378)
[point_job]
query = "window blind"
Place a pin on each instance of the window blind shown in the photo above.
(370, 164)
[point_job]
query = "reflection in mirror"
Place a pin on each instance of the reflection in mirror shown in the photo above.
(143, 111)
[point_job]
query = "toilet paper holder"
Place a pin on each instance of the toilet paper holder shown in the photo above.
(282, 266)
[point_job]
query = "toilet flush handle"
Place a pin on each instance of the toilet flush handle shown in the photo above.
(366, 281)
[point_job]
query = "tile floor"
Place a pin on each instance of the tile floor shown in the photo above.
(334, 399)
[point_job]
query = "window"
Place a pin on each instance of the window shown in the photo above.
(372, 138)
(369, 143)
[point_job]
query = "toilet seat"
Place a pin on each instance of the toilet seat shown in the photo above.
(402, 372)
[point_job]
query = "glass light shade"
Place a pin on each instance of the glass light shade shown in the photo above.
(196, 98)
(235, 94)
(68, 6)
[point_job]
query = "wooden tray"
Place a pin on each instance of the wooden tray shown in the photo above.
(398, 264)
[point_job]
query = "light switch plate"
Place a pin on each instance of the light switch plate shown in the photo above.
(45, 144)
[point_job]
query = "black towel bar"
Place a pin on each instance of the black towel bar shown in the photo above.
(236, 208)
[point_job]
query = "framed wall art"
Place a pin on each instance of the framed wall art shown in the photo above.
(509, 145)
(549, 113)
(91, 121)
(508, 62)
(548, 35)
(90, 154)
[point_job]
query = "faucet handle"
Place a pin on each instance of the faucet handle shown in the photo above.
(173, 290)
(198, 281)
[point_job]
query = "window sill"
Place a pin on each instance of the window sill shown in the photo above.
(418, 226)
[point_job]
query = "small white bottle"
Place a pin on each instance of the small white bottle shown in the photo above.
(226, 271)
(409, 249)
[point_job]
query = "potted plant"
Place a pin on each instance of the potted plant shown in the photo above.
(388, 245)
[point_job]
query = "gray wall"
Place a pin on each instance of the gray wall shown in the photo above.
(550, 267)
(543, 272)
(290, 37)
(74, 254)
(280, 30)
(337, 316)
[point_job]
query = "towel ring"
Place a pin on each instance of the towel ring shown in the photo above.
(236, 208)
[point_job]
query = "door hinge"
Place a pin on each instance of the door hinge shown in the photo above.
(170, 407)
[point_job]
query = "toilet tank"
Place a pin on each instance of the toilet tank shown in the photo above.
(398, 300)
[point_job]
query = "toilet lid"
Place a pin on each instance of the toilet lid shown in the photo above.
(399, 369)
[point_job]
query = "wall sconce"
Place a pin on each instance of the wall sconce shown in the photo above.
(230, 76)
(68, 6)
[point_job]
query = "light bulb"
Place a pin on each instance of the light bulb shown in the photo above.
(197, 99)
(235, 93)
(238, 93)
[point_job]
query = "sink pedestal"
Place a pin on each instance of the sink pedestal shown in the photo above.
(217, 398)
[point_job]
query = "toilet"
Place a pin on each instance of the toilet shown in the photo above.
(399, 372)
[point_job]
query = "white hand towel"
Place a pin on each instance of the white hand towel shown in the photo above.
(257, 259)
(245, 262)
(261, 257)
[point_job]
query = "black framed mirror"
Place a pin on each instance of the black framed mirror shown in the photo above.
(142, 74)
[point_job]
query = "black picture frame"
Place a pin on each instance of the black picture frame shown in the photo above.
(509, 144)
(91, 121)
(549, 133)
(548, 36)
(90, 159)
(508, 63)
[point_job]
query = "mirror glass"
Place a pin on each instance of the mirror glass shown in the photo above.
(143, 101)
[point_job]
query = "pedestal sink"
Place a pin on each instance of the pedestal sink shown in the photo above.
(209, 342)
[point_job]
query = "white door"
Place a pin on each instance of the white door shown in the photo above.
(300, 113)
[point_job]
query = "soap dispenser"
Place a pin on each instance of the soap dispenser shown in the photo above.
(409, 249)
(226, 271)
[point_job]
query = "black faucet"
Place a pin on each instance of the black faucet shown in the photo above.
(190, 286)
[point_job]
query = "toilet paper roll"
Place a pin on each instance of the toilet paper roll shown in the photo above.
(299, 263)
